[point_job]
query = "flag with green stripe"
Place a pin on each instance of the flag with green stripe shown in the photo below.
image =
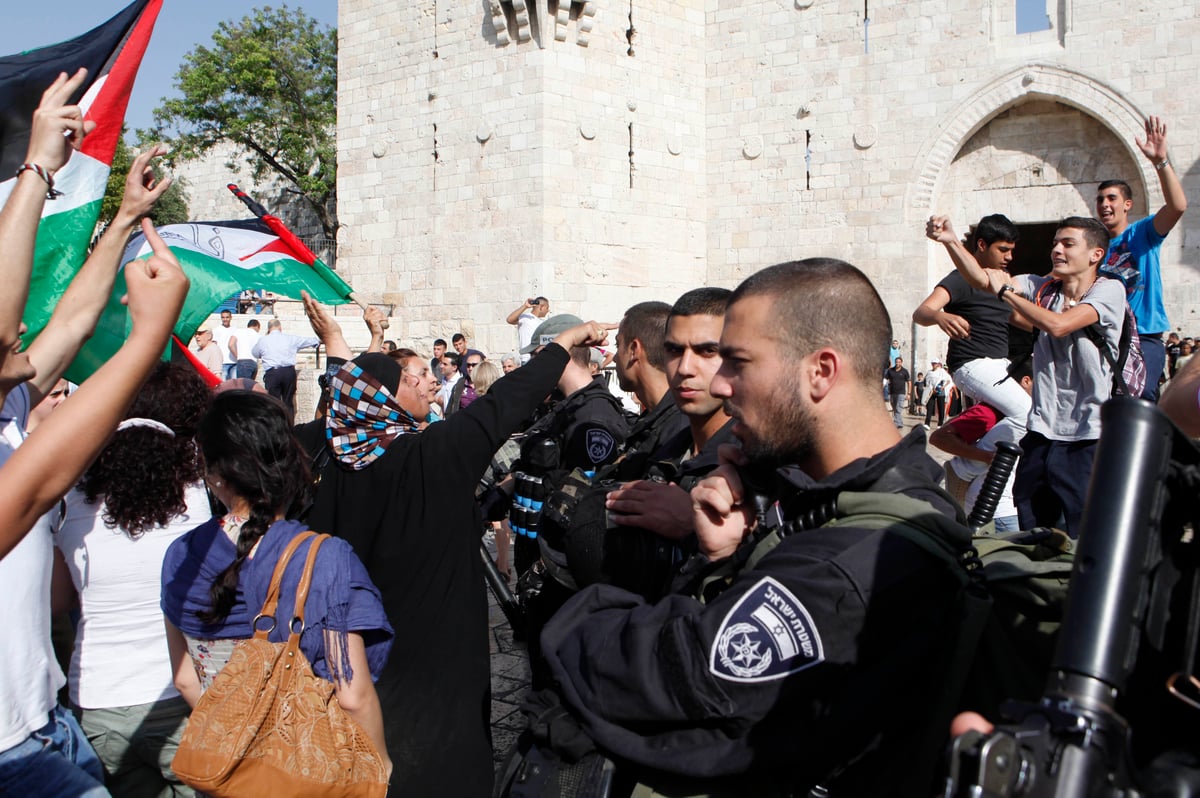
(112, 54)
(220, 259)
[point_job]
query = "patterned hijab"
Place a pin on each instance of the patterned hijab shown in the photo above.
(363, 416)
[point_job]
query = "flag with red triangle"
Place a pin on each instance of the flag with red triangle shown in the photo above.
(112, 54)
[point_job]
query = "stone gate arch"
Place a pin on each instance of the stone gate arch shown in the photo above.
(1024, 83)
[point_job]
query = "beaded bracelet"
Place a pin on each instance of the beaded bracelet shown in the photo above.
(44, 174)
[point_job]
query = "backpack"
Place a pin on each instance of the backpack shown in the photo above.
(1127, 365)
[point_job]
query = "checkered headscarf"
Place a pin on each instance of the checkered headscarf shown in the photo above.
(363, 417)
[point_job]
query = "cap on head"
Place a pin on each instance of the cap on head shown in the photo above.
(550, 329)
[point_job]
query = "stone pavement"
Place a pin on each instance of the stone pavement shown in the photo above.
(510, 678)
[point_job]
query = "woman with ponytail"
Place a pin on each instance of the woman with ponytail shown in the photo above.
(215, 578)
(144, 491)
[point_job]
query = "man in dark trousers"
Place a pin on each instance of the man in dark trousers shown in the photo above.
(411, 516)
(810, 660)
(898, 382)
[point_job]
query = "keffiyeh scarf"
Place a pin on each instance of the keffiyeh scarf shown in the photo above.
(363, 417)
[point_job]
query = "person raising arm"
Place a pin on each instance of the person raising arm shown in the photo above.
(51, 461)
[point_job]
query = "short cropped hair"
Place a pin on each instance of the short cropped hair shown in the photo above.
(1120, 185)
(253, 323)
(455, 358)
(647, 322)
(993, 228)
(458, 337)
(1094, 233)
(707, 301)
(821, 302)
(439, 342)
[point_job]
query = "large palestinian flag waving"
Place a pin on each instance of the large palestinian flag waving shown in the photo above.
(112, 54)
(220, 259)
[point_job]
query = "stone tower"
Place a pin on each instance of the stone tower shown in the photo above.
(611, 151)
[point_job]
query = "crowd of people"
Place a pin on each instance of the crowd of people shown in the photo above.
(677, 620)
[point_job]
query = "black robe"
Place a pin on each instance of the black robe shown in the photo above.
(412, 519)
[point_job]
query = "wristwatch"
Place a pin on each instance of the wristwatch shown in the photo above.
(1003, 288)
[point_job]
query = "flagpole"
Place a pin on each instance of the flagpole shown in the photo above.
(303, 253)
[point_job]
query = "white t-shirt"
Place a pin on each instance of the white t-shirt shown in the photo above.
(120, 656)
(222, 334)
(526, 324)
(29, 675)
(246, 339)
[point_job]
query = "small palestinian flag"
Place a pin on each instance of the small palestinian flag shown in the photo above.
(112, 54)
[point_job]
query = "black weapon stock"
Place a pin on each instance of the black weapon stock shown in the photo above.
(1073, 742)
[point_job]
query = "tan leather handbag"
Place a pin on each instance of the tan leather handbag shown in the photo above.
(269, 726)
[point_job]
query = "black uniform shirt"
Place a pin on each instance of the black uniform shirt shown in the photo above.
(821, 654)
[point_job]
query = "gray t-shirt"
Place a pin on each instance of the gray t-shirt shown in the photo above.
(1070, 377)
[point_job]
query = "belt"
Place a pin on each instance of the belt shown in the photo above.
(1156, 336)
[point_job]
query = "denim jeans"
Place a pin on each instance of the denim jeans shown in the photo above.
(55, 760)
(1154, 353)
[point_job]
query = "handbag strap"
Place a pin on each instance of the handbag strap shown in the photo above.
(306, 580)
(272, 601)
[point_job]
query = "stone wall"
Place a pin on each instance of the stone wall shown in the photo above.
(477, 168)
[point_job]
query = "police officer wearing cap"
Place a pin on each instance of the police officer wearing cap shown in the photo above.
(809, 666)
(584, 431)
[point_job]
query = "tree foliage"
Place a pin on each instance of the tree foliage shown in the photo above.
(268, 85)
(171, 208)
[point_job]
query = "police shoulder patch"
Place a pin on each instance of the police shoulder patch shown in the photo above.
(768, 634)
(600, 445)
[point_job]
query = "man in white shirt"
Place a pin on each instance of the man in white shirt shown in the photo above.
(222, 334)
(527, 318)
(937, 383)
(244, 341)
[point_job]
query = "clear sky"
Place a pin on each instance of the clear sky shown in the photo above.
(182, 24)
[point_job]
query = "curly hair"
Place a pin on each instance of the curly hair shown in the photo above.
(247, 441)
(143, 474)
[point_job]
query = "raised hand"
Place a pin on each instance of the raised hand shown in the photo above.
(939, 229)
(1154, 147)
(142, 190)
(58, 128)
(590, 333)
(156, 289)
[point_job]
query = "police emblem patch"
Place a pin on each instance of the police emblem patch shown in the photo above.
(767, 635)
(599, 445)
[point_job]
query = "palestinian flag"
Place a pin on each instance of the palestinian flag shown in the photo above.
(220, 259)
(112, 54)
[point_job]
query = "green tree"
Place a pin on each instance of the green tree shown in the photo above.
(268, 85)
(172, 207)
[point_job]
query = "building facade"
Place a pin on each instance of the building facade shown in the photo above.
(611, 151)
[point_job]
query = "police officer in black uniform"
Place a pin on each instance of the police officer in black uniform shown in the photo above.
(583, 432)
(647, 520)
(639, 361)
(790, 658)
